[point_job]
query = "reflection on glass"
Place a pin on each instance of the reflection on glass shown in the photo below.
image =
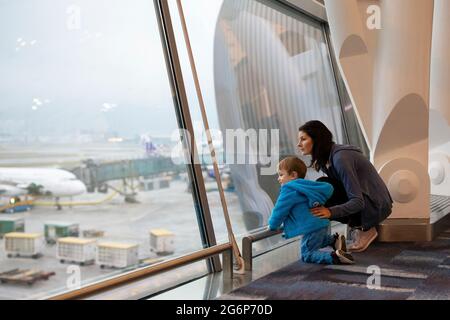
(260, 67)
(88, 188)
(355, 135)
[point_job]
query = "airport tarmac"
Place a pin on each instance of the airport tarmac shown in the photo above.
(170, 208)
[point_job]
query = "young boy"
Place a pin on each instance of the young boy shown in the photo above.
(292, 209)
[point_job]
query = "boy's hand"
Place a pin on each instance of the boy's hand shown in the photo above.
(321, 212)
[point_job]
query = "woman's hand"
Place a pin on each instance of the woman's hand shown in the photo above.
(321, 212)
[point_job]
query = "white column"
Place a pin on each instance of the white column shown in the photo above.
(387, 73)
(401, 104)
(351, 43)
(439, 161)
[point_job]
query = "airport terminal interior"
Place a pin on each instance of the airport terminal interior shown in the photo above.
(140, 140)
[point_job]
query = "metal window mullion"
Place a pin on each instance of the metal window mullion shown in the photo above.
(184, 120)
(306, 7)
(335, 70)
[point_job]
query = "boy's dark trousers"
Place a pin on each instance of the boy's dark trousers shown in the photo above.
(312, 243)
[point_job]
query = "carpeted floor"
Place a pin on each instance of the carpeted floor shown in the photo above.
(408, 271)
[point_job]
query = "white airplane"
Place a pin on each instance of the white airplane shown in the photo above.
(54, 183)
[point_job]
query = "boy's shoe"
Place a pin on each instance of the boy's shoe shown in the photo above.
(341, 257)
(362, 239)
(339, 242)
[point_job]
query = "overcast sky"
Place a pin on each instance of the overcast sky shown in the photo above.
(99, 70)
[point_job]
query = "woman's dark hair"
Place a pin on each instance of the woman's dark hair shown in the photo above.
(322, 142)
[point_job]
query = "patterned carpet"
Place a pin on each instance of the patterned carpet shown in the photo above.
(408, 271)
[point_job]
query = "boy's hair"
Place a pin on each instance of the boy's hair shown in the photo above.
(291, 164)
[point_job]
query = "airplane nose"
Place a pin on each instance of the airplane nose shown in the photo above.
(80, 187)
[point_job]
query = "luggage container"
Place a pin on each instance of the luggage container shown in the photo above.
(117, 255)
(11, 224)
(155, 183)
(93, 233)
(162, 241)
(77, 250)
(56, 229)
(147, 185)
(164, 183)
(24, 244)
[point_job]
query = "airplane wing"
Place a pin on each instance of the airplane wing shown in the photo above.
(8, 188)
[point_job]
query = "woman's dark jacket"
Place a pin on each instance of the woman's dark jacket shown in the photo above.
(365, 189)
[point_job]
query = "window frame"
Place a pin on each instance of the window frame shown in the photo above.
(310, 9)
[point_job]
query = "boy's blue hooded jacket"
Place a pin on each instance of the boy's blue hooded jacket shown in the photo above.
(293, 205)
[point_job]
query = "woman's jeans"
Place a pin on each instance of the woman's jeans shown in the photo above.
(339, 197)
(312, 242)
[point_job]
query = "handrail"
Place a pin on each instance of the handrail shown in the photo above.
(266, 233)
(227, 261)
(260, 234)
(247, 244)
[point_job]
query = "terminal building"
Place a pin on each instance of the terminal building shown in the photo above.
(139, 145)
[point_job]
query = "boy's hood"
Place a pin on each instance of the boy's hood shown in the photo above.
(317, 193)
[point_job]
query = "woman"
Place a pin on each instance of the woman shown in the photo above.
(360, 199)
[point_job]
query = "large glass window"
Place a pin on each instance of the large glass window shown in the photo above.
(88, 186)
(260, 67)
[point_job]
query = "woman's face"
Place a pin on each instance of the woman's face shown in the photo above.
(305, 143)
